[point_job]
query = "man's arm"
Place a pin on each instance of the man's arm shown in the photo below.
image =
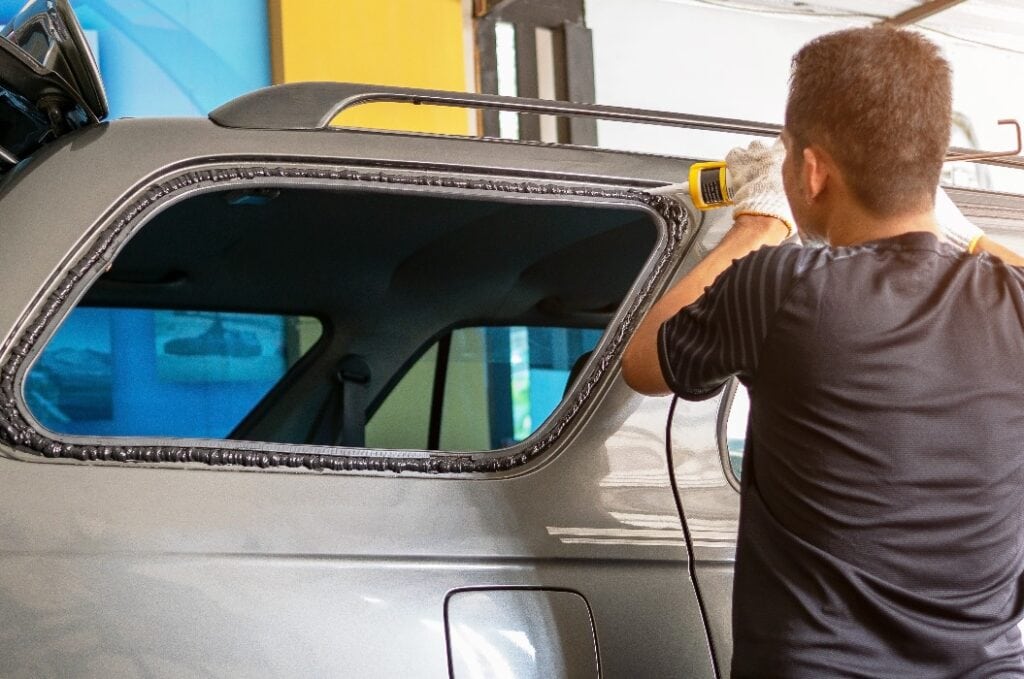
(640, 365)
(986, 244)
(966, 235)
(762, 217)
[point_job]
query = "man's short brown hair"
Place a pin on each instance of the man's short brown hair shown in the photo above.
(879, 101)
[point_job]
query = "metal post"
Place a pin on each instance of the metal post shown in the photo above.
(526, 78)
(573, 56)
(579, 80)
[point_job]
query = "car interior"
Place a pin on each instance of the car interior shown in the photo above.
(388, 320)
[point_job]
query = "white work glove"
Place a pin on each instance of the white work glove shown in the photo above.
(755, 175)
(953, 225)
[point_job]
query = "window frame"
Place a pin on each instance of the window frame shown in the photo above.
(101, 243)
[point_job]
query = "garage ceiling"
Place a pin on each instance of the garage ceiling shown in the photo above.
(991, 23)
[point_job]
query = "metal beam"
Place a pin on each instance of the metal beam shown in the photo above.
(922, 11)
(482, 8)
(579, 80)
(486, 54)
(549, 13)
(527, 84)
(572, 52)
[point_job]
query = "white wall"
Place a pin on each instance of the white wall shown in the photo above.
(682, 55)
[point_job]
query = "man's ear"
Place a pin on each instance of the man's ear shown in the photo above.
(816, 172)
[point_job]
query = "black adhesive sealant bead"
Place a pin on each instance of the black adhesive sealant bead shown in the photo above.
(16, 431)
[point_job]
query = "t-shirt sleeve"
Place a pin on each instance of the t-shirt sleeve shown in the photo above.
(721, 334)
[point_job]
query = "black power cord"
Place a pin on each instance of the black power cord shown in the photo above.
(691, 564)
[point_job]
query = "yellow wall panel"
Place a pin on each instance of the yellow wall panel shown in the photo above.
(412, 43)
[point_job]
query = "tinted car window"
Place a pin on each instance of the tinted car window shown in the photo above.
(494, 387)
(139, 372)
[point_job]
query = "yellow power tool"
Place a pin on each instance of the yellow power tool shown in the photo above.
(708, 186)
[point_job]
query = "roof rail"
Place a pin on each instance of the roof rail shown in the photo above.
(313, 105)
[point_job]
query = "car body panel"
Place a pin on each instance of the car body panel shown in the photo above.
(173, 556)
(181, 568)
(233, 542)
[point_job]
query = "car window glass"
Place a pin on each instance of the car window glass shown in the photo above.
(499, 386)
(141, 372)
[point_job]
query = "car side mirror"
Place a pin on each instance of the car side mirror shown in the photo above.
(47, 32)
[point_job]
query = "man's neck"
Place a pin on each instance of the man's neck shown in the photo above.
(853, 225)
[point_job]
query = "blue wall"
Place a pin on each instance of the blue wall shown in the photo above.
(174, 57)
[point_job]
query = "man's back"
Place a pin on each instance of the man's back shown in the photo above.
(883, 486)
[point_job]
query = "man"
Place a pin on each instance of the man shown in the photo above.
(882, 509)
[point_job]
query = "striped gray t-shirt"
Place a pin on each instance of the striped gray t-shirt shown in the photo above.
(882, 511)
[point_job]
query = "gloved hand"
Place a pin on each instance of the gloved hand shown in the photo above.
(953, 225)
(755, 173)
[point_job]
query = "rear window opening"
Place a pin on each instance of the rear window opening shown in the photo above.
(388, 320)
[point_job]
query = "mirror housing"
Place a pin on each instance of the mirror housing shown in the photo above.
(49, 81)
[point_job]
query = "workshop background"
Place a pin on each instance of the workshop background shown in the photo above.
(712, 57)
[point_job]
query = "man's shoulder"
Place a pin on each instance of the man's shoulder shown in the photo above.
(795, 261)
(782, 264)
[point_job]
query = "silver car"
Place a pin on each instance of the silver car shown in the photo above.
(279, 399)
